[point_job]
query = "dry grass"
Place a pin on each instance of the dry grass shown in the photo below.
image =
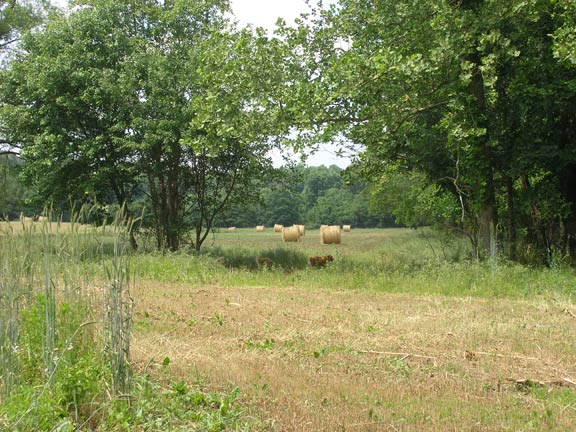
(325, 360)
(17, 227)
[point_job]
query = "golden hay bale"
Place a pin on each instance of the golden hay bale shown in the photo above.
(260, 228)
(42, 219)
(27, 219)
(302, 229)
(278, 228)
(290, 234)
(231, 228)
(330, 234)
(346, 228)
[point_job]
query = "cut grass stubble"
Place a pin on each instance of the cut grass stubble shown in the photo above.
(391, 336)
(333, 360)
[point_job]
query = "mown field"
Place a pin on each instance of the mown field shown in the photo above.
(400, 332)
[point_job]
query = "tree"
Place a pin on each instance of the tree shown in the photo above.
(17, 17)
(163, 92)
(319, 179)
(13, 192)
(565, 35)
(65, 103)
(466, 93)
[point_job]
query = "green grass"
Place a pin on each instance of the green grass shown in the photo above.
(58, 371)
(388, 260)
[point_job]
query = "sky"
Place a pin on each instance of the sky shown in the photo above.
(264, 13)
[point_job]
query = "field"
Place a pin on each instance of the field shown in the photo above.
(400, 332)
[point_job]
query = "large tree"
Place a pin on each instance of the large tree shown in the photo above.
(160, 93)
(467, 93)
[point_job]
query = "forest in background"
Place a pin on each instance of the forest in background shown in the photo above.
(299, 194)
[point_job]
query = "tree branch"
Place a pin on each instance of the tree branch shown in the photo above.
(9, 148)
(417, 112)
(10, 152)
(5, 44)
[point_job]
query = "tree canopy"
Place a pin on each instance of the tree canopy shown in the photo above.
(157, 96)
(464, 109)
(477, 96)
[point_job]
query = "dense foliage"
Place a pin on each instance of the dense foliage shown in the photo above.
(122, 93)
(465, 111)
(474, 97)
(312, 196)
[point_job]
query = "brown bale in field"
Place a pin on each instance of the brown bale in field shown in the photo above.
(263, 262)
(231, 228)
(291, 234)
(330, 234)
(319, 261)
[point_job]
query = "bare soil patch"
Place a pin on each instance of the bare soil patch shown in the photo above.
(333, 360)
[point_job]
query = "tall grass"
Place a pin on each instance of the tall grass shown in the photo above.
(47, 307)
(65, 333)
(10, 293)
(119, 315)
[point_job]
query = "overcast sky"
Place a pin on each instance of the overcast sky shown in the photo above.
(265, 12)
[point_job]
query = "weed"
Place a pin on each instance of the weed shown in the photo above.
(217, 319)
(61, 367)
(267, 344)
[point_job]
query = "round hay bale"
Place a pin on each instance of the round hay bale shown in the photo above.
(231, 228)
(260, 228)
(346, 228)
(42, 219)
(302, 229)
(291, 234)
(278, 228)
(27, 219)
(330, 234)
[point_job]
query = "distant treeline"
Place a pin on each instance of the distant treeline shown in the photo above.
(303, 195)
(312, 196)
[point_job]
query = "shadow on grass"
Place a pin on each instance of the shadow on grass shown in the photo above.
(287, 260)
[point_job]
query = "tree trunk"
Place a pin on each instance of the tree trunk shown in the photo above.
(155, 201)
(485, 190)
(512, 235)
(127, 216)
(173, 201)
